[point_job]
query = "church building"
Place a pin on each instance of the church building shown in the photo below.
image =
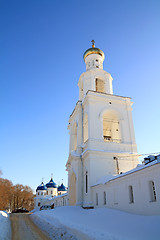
(102, 166)
(102, 140)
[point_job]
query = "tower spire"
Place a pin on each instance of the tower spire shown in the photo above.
(93, 44)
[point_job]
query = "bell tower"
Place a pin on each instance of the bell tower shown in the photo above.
(102, 141)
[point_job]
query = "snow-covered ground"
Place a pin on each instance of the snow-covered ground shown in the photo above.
(100, 223)
(5, 227)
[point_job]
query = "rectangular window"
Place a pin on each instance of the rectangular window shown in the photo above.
(152, 191)
(131, 198)
(39, 204)
(104, 198)
(97, 199)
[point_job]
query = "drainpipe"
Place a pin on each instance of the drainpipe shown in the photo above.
(82, 189)
(117, 164)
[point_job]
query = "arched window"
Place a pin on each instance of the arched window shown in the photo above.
(100, 85)
(111, 127)
(85, 128)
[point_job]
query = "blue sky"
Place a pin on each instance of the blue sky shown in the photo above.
(42, 45)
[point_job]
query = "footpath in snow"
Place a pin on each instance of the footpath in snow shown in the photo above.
(97, 224)
(5, 226)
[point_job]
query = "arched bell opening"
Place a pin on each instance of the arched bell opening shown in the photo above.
(111, 127)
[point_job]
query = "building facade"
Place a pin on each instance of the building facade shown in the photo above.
(103, 167)
(102, 140)
(136, 191)
(50, 194)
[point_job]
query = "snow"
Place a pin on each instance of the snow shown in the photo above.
(5, 227)
(97, 224)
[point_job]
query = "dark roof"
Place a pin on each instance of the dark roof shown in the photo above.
(51, 184)
(62, 188)
(41, 187)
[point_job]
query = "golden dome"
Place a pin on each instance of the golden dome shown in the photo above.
(93, 50)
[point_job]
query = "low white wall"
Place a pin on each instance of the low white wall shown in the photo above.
(146, 201)
(60, 200)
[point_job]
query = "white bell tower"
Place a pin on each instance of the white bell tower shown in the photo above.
(102, 140)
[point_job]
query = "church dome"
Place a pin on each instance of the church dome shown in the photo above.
(93, 50)
(41, 187)
(51, 184)
(62, 188)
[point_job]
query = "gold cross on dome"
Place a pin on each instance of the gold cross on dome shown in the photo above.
(93, 43)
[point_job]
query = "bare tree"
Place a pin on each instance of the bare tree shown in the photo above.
(18, 196)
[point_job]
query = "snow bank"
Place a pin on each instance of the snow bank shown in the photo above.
(5, 227)
(101, 223)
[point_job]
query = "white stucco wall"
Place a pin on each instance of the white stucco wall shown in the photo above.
(60, 200)
(117, 191)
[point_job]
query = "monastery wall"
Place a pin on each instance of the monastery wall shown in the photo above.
(137, 191)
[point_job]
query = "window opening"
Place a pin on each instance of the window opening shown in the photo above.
(111, 130)
(97, 199)
(131, 198)
(86, 182)
(104, 198)
(153, 191)
(99, 85)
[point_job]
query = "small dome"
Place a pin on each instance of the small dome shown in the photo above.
(62, 188)
(93, 50)
(41, 187)
(51, 184)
